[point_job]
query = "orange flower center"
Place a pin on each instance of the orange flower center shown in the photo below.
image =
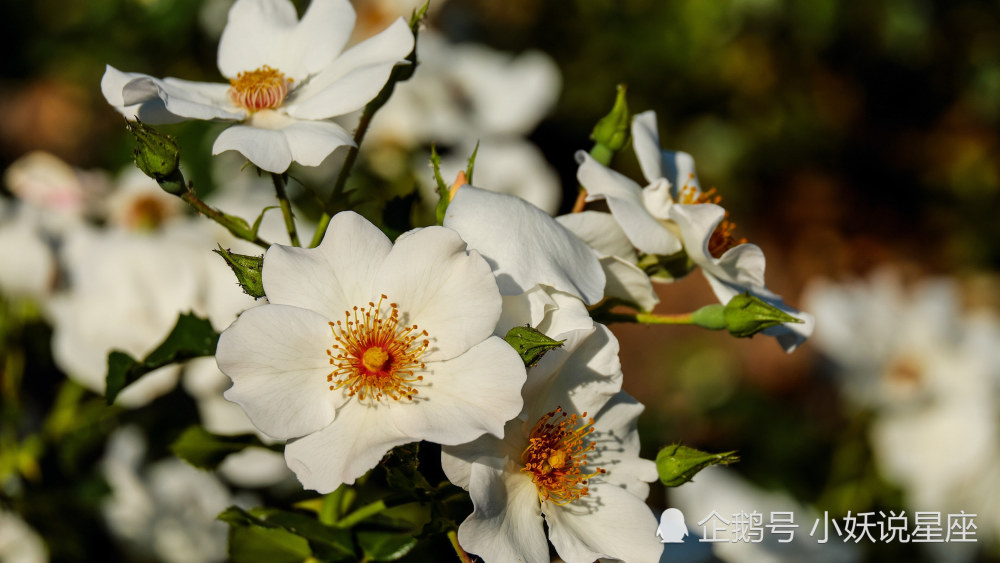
(722, 238)
(264, 88)
(556, 456)
(374, 357)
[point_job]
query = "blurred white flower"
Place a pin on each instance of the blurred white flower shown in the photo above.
(166, 509)
(929, 372)
(19, 543)
(366, 345)
(29, 265)
(287, 79)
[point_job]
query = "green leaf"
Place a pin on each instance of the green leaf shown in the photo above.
(444, 197)
(256, 544)
(326, 542)
(205, 450)
(385, 546)
(248, 270)
(677, 464)
(191, 337)
(530, 344)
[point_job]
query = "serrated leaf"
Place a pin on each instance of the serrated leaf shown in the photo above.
(248, 270)
(205, 450)
(677, 464)
(191, 337)
(530, 344)
(385, 546)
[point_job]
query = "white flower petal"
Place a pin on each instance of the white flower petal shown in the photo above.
(465, 397)
(524, 245)
(579, 377)
(355, 77)
(608, 522)
(505, 524)
(457, 461)
(149, 111)
(263, 32)
(627, 282)
(646, 142)
(602, 232)
(276, 357)
(184, 98)
(347, 448)
(625, 200)
(312, 141)
(334, 277)
(446, 291)
(267, 148)
(616, 450)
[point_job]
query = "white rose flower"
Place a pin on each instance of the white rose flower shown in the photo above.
(366, 345)
(287, 79)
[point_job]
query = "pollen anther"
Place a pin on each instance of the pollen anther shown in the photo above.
(264, 88)
(722, 238)
(556, 456)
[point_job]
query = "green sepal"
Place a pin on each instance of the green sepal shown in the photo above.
(248, 270)
(712, 317)
(158, 156)
(612, 132)
(746, 315)
(191, 337)
(471, 164)
(444, 197)
(530, 344)
(677, 464)
(205, 450)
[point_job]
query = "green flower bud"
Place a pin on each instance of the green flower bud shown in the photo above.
(247, 269)
(747, 315)
(612, 131)
(158, 156)
(530, 344)
(677, 464)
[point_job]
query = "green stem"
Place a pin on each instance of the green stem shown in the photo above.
(338, 186)
(238, 230)
(645, 318)
(366, 511)
(286, 208)
(462, 555)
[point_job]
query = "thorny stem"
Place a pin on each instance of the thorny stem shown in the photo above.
(230, 223)
(462, 555)
(286, 208)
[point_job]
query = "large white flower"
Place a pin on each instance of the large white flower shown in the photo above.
(287, 79)
(366, 345)
(672, 213)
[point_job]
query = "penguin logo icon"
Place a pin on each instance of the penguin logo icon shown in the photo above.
(671, 528)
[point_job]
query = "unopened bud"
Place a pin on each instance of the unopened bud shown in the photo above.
(746, 315)
(677, 464)
(247, 269)
(158, 156)
(612, 131)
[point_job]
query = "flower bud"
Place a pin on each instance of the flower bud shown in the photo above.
(530, 344)
(158, 156)
(247, 269)
(747, 315)
(677, 464)
(612, 131)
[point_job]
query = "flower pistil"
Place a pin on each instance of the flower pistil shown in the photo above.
(556, 456)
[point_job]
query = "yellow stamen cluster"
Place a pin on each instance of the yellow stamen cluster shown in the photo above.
(264, 88)
(722, 237)
(556, 456)
(373, 356)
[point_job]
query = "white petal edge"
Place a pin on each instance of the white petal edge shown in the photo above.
(183, 98)
(150, 111)
(609, 522)
(310, 142)
(334, 277)
(355, 77)
(646, 143)
(267, 148)
(524, 245)
(602, 232)
(276, 357)
(505, 524)
(445, 290)
(627, 282)
(465, 397)
(346, 449)
(625, 201)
